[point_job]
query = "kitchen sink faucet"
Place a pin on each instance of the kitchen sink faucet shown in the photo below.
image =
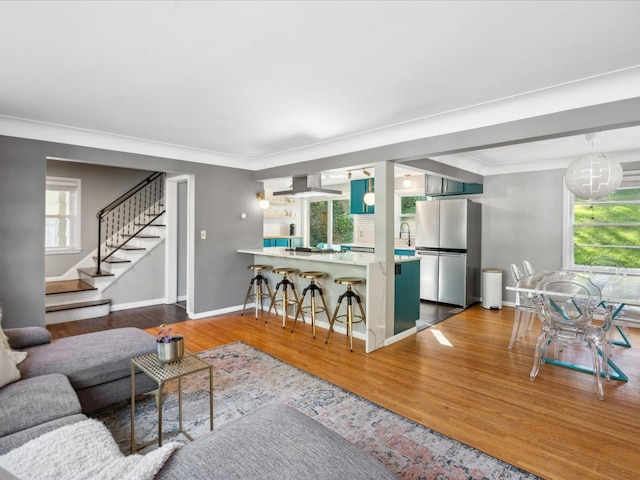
(408, 233)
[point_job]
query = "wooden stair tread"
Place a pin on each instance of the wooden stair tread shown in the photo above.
(71, 306)
(114, 260)
(67, 286)
(150, 225)
(126, 247)
(141, 236)
(93, 272)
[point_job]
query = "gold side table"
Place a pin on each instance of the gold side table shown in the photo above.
(162, 373)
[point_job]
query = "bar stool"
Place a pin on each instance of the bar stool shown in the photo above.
(313, 288)
(258, 294)
(349, 295)
(285, 302)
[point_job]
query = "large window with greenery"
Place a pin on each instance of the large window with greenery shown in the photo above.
(330, 222)
(609, 227)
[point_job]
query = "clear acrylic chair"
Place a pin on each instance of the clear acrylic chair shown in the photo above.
(526, 306)
(622, 314)
(528, 268)
(568, 302)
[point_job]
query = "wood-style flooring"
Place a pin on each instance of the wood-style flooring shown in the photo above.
(457, 378)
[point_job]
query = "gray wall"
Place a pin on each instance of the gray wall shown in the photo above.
(522, 220)
(100, 186)
(221, 195)
(144, 282)
(22, 180)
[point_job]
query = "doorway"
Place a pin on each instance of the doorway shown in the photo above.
(179, 277)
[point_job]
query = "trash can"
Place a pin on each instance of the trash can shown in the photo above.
(492, 288)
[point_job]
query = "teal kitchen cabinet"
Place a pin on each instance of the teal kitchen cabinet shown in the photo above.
(358, 190)
(441, 187)
(407, 295)
(452, 187)
(288, 242)
(405, 253)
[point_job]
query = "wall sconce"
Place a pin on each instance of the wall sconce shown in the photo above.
(264, 203)
(369, 197)
(406, 183)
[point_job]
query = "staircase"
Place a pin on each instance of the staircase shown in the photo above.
(129, 228)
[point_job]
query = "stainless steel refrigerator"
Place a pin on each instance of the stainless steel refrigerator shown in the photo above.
(448, 242)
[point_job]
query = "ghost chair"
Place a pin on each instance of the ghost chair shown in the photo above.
(568, 302)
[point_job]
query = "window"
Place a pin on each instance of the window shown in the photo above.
(62, 215)
(336, 213)
(609, 227)
(407, 215)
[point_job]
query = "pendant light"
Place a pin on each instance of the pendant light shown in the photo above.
(593, 176)
(406, 183)
(369, 197)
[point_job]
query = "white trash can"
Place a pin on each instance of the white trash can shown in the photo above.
(492, 288)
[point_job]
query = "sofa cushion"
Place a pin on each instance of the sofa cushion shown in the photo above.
(34, 401)
(275, 442)
(24, 337)
(15, 440)
(89, 359)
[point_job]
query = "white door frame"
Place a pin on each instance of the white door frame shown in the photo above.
(171, 250)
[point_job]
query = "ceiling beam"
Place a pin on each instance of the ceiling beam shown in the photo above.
(417, 153)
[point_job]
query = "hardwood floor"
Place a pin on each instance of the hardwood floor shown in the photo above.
(459, 379)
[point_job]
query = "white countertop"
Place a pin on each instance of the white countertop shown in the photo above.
(347, 257)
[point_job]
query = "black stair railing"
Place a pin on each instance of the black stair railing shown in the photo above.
(128, 215)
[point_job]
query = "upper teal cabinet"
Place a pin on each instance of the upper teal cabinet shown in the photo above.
(440, 187)
(358, 190)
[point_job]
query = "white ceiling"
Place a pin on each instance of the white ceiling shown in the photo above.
(266, 83)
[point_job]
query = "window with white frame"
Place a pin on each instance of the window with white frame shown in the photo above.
(330, 222)
(607, 229)
(62, 215)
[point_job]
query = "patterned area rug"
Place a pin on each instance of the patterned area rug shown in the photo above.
(246, 378)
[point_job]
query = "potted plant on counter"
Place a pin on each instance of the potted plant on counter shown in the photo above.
(170, 347)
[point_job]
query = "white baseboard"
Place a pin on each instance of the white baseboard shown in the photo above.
(142, 303)
(400, 336)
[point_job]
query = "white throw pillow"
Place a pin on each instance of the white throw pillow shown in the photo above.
(8, 370)
(4, 341)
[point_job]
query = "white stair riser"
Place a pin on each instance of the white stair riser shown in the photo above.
(75, 314)
(73, 297)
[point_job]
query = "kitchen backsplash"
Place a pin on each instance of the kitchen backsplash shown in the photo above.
(364, 232)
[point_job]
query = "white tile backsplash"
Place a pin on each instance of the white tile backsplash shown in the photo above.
(364, 232)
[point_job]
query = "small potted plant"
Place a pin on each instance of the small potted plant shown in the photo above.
(170, 346)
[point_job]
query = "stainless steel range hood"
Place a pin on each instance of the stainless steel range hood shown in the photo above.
(307, 186)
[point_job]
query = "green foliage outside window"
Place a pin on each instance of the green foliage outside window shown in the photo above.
(318, 215)
(342, 228)
(408, 204)
(342, 222)
(609, 227)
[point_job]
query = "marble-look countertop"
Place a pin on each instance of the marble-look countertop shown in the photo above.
(347, 257)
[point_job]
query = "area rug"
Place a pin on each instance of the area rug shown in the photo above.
(246, 378)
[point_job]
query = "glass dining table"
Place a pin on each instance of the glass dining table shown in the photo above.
(622, 291)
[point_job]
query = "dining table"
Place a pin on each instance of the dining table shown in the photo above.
(620, 290)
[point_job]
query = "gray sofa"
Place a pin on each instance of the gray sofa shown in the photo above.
(64, 378)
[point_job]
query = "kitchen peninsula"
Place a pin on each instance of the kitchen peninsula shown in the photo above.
(355, 264)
